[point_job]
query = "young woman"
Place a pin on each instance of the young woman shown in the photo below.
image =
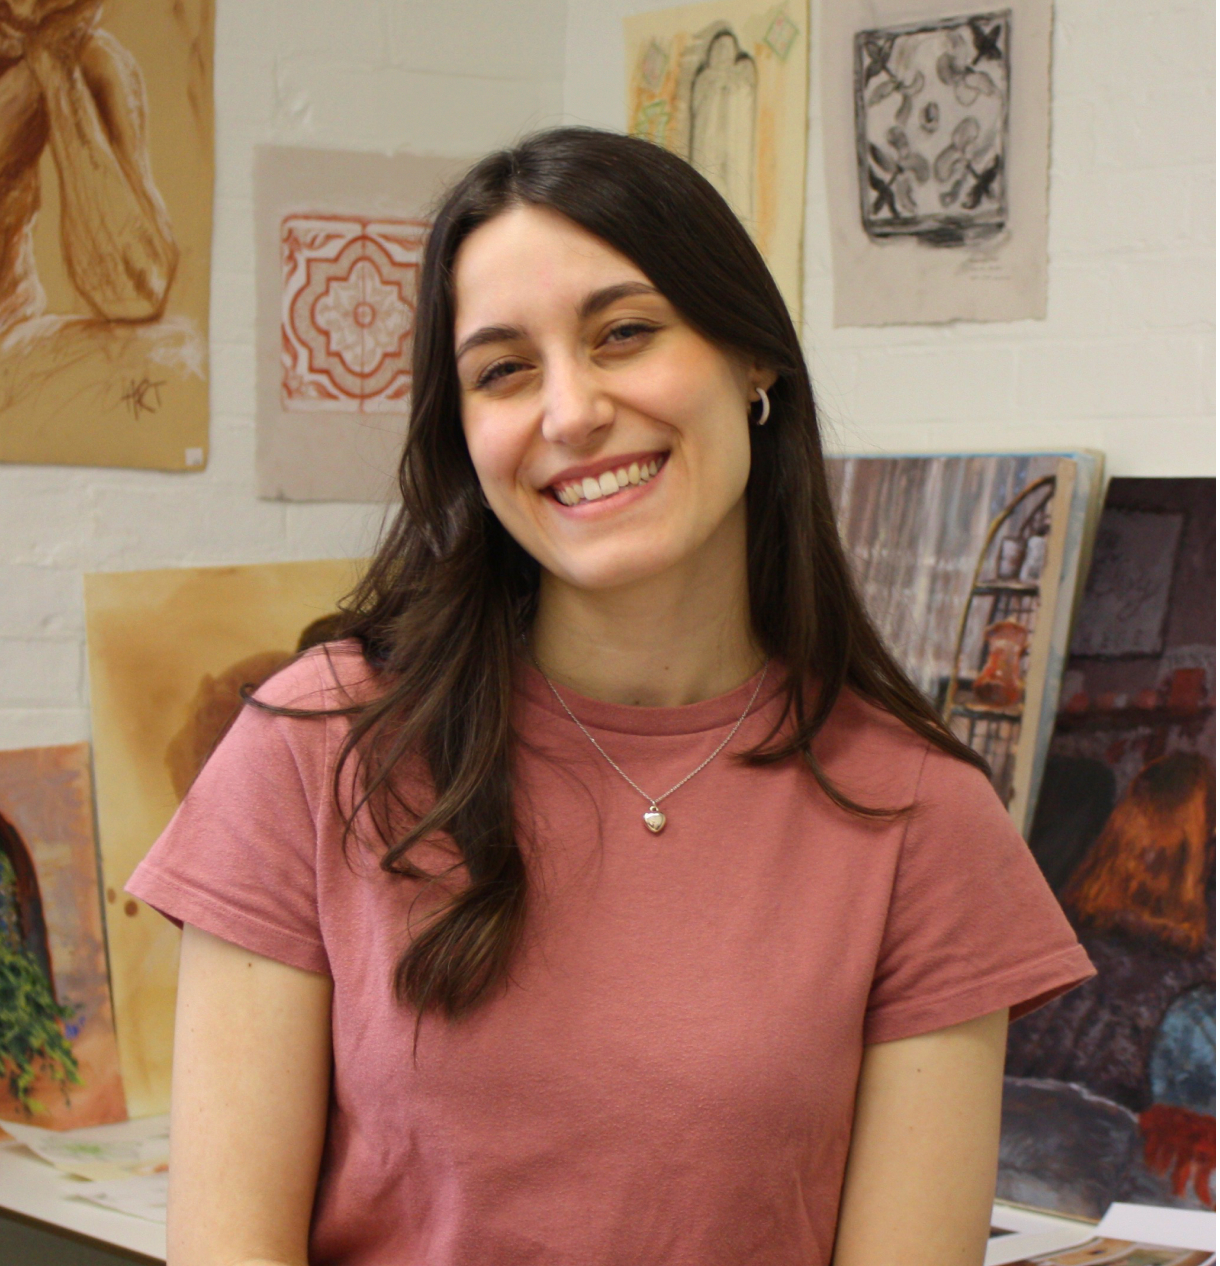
(609, 895)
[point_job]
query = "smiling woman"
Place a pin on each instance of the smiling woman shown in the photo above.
(498, 1018)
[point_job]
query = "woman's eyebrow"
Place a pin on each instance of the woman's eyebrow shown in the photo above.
(593, 303)
(597, 300)
(488, 334)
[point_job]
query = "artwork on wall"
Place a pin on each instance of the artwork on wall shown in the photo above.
(1110, 1092)
(969, 566)
(106, 203)
(59, 1063)
(169, 652)
(339, 242)
(937, 157)
(725, 85)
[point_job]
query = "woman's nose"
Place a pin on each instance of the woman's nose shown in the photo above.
(575, 409)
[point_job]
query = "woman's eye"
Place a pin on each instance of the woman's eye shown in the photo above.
(629, 330)
(493, 373)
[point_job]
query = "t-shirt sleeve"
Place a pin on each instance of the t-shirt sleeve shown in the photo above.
(973, 926)
(239, 857)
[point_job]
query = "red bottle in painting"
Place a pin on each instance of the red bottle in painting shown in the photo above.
(1000, 683)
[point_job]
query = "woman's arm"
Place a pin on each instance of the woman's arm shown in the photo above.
(922, 1167)
(251, 1089)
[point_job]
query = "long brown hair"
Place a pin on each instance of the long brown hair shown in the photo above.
(1147, 872)
(442, 608)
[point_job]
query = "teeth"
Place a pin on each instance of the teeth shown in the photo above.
(607, 483)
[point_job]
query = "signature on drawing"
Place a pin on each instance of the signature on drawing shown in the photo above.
(143, 395)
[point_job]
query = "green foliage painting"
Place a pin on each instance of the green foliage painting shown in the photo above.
(32, 1039)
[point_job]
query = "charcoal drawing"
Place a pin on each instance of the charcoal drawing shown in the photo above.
(932, 128)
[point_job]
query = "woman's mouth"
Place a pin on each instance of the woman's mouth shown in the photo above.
(609, 483)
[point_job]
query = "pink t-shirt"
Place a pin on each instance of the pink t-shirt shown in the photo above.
(670, 1077)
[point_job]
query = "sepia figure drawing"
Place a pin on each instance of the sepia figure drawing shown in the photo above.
(1110, 1091)
(69, 85)
(103, 292)
(724, 99)
(931, 106)
(348, 312)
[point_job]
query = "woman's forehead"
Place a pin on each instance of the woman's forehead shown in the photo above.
(527, 256)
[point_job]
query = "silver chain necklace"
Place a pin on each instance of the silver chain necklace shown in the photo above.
(654, 819)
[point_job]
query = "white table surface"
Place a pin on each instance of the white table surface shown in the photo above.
(34, 1189)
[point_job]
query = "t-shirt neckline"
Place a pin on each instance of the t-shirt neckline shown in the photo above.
(623, 718)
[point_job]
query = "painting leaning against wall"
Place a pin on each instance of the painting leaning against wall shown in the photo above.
(1110, 1090)
(169, 654)
(59, 1063)
(967, 566)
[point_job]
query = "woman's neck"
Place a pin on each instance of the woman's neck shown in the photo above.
(675, 638)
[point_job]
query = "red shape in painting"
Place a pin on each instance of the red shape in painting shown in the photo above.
(348, 312)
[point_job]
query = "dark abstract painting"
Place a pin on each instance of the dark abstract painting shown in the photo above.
(1110, 1093)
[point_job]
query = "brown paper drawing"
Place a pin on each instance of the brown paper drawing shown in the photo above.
(937, 147)
(340, 239)
(725, 85)
(59, 1063)
(105, 225)
(169, 652)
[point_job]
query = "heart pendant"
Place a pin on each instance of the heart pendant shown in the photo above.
(654, 820)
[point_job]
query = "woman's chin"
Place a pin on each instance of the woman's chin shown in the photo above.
(608, 569)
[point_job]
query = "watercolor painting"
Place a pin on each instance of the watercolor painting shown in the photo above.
(339, 242)
(1110, 1092)
(724, 85)
(169, 654)
(59, 1061)
(106, 214)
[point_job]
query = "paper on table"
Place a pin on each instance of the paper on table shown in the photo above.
(101, 1153)
(1175, 1228)
(143, 1196)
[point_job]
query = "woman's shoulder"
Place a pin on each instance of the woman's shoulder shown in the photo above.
(865, 743)
(325, 678)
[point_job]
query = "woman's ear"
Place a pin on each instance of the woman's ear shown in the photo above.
(763, 376)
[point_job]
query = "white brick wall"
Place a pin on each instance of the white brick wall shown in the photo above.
(1123, 362)
(436, 76)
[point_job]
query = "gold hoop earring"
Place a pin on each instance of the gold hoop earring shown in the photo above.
(765, 412)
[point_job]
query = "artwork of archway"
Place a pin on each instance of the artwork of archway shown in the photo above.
(25, 899)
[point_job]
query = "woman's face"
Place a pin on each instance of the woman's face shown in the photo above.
(610, 439)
